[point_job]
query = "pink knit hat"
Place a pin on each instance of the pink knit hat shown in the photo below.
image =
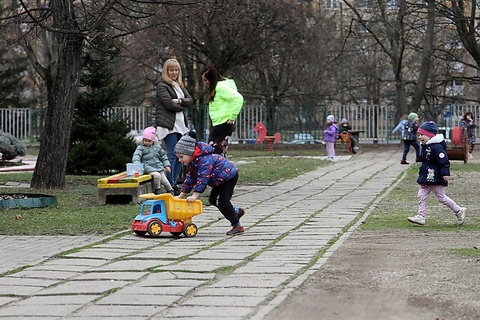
(149, 133)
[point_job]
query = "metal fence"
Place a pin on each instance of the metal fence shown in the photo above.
(374, 122)
(290, 121)
(26, 124)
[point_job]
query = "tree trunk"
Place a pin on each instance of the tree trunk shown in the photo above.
(426, 58)
(402, 105)
(67, 48)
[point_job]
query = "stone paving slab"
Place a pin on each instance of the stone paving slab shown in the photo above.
(118, 311)
(55, 275)
(58, 310)
(58, 300)
(289, 227)
(145, 299)
(132, 265)
(18, 251)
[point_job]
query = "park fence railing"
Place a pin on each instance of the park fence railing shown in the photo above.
(375, 122)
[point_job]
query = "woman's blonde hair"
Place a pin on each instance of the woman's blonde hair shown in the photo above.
(169, 64)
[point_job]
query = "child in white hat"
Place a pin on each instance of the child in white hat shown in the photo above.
(331, 130)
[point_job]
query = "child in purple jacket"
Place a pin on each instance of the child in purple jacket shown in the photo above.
(206, 168)
(329, 136)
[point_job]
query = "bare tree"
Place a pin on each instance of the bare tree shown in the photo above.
(276, 51)
(464, 43)
(64, 26)
(395, 23)
(464, 15)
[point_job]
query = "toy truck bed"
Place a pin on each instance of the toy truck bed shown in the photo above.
(177, 209)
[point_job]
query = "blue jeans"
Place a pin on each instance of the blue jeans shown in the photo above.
(406, 148)
(176, 166)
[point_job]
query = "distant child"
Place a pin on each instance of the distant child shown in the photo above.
(401, 125)
(434, 173)
(206, 168)
(409, 128)
(331, 130)
(155, 160)
(346, 127)
(467, 122)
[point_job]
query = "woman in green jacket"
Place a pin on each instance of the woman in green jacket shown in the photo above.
(225, 103)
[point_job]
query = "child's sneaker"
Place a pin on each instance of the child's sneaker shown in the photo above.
(404, 162)
(235, 230)
(418, 219)
(240, 212)
(158, 191)
(461, 215)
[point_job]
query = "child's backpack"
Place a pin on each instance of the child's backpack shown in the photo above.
(409, 132)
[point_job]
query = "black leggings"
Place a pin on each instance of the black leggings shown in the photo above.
(220, 197)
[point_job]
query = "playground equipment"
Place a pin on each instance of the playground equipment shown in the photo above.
(262, 136)
(164, 213)
(458, 148)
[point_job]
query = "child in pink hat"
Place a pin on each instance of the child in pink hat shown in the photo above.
(155, 160)
(434, 173)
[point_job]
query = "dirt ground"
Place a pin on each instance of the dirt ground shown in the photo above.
(392, 275)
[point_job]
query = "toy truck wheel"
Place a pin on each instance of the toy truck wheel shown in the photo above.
(190, 230)
(154, 228)
(140, 233)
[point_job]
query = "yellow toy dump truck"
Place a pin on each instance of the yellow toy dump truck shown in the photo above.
(164, 213)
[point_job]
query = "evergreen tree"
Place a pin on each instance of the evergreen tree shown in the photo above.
(14, 89)
(99, 143)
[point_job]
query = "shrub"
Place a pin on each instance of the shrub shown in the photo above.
(107, 151)
(99, 144)
(10, 147)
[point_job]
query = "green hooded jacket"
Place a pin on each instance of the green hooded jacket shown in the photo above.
(226, 104)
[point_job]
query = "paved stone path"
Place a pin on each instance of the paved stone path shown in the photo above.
(291, 228)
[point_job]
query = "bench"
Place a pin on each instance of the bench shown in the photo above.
(344, 138)
(458, 149)
(128, 188)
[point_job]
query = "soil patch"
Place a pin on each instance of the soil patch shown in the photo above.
(398, 274)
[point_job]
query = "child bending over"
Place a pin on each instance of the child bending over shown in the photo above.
(206, 168)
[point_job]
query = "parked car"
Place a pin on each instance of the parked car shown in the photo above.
(303, 138)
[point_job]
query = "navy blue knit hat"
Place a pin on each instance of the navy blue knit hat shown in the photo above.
(428, 129)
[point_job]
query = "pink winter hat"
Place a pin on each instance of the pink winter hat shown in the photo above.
(149, 133)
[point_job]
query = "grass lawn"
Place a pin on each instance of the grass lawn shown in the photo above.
(77, 211)
(393, 210)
